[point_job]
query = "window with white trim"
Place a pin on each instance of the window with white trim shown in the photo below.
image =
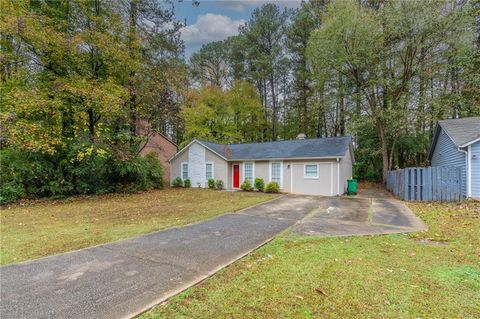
(248, 172)
(310, 171)
(276, 172)
(208, 170)
(184, 171)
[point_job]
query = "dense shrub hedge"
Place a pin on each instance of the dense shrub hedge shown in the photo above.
(78, 170)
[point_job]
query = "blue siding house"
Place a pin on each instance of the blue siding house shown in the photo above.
(456, 142)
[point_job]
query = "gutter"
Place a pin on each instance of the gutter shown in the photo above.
(468, 167)
(338, 176)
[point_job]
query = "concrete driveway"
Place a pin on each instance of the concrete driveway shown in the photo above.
(124, 278)
(341, 216)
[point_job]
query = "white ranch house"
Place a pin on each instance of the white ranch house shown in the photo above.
(318, 166)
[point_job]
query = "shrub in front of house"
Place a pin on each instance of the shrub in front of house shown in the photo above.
(187, 183)
(272, 187)
(154, 171)
(219, 184)
(259, 184)
(246, 186)
(211, 183)
(177, 182)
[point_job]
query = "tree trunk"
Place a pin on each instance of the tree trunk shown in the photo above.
(358, 105)
(321, 114)
(341, 104)
(384, 145)
(133, 56)
(274, 108)
(91, 123)
(305, 109)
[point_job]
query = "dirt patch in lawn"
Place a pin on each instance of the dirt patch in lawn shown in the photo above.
(430, 241)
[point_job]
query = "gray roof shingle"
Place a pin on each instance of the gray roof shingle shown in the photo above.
(462, 131)
(307, 148)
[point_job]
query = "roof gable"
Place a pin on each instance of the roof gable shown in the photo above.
(462, 132)
(202, 144)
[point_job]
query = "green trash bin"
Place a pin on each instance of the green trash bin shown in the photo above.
(352, 187)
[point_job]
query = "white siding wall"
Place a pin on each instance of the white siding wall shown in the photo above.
(196, 165)
(447, 154)
(475, 162)
(345, 171)
(176, 166)
(220, 167)
(325, 184)
(196, 156)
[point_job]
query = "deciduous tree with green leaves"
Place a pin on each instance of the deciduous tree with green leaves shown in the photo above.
(382, 51)
(75, 77)
(220, 116)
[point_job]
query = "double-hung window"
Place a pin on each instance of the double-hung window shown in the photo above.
(184, 171)
(276, 172)
(248, 172)
(310, 171)
(208, 170)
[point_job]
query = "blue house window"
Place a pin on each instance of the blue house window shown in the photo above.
(184, 171)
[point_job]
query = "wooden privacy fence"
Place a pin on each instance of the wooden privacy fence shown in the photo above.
(442, 183)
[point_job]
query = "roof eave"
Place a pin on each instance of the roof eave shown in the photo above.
(167, 138)
(470, 143)
(352, 153)
(434, 142)
(189, 144)
(435, 138)
(181, 151)
(211, 150)
(284, 158)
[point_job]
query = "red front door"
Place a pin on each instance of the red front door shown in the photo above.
(236, 176)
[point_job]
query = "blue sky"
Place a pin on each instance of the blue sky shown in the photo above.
(214, 20)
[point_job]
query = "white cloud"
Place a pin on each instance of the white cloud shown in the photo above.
(210, 27)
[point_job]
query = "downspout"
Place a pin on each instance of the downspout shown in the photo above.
(467, 169)
(338, 176)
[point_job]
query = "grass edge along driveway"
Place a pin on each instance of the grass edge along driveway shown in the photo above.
(431, 274)
(52, 227)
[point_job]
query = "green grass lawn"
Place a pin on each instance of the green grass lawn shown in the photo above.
(394, 276)
(51, 227)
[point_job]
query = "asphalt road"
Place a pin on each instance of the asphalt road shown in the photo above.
(124, 278)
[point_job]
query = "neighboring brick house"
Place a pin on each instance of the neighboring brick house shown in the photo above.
(158, 143)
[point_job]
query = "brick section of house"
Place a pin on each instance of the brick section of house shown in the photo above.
(157, 143)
